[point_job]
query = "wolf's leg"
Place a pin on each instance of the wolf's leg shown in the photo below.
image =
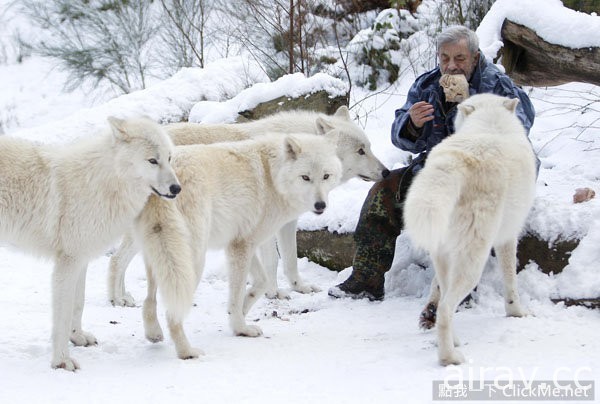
(428, 315)
(65, 277)
(507, 258)
(152, 328)
(269, 258)
(286, 237)
(259, 282)
(165, 241)
(456, 278)
(78, 336)
(239, 256)
(175, 322)
(182, 344)
(116, 274)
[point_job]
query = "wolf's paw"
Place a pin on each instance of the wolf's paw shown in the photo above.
(513, 310)
(277, 294)
(248, 331)
(428, 316)
(154, 334)
(66, 364)
(191, 353)
(125, 300)
(154, 338)
(453, 358)
(81, 338)
(305, 288)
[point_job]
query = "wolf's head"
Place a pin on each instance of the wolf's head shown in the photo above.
(144, 151)
(486, 108)
(352, 147)
(308, 169)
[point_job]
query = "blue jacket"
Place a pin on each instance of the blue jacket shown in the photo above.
(486, 78)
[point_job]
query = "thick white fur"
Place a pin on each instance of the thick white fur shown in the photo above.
(474, 193)
(352, 147)
(70, 202)
(235, 196)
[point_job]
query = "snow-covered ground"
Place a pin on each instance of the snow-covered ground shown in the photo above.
(314, 349)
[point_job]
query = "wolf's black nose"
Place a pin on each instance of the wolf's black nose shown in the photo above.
(175, 189)
(320, 206)
(385, 173)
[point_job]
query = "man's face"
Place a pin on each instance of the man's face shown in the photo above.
(455, 58)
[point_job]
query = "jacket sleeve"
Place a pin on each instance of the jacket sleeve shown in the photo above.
(402, 137)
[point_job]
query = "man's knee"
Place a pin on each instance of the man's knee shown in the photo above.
(389, 183)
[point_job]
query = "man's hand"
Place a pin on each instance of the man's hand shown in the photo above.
(420, 113)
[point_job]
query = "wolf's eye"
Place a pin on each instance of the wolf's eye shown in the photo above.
(326, 176)
(306, 178)
(361, 152)
(152, 161)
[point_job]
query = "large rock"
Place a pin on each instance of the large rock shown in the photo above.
(331, 250)
(319, 101)
(336, 251)
(550, 257)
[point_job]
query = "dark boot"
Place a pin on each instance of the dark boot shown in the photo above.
(378, 227)
(372, 290)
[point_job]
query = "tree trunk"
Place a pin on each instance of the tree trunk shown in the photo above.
(291, 38)
(531, 61)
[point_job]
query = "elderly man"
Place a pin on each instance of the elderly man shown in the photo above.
(424, 121)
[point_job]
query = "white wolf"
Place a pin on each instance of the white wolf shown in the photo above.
(235, 196)
(352, 147)
(70, 202)
(473, 194)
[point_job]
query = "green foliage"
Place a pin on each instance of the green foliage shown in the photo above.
(328, 60)
(469, 13)
(96, 41)
(381, 41)
(379, 59)
(398, 4)
(280, 42)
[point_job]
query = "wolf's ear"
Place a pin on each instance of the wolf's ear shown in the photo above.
(117, 126)
(292, 148)
(332, 136)
(511, 104)
(323, 125)
(466, 109)
(342, 112)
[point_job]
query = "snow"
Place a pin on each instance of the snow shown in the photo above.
(314, 348)
(548, 18)
(290, 85)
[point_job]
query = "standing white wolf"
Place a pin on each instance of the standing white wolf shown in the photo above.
(473, 194)
(70, 202)
(352, 147)
(235, 196)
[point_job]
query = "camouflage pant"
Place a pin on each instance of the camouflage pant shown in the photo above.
(379, 225)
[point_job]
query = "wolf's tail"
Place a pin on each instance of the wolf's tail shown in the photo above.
(168, 255)
(432, 198)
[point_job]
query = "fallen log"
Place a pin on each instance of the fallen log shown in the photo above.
(530, 60)
(593, 303)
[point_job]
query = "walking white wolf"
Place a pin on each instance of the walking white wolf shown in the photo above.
(69, 202)
(235, 196)
(473, 194)
(352, 147)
